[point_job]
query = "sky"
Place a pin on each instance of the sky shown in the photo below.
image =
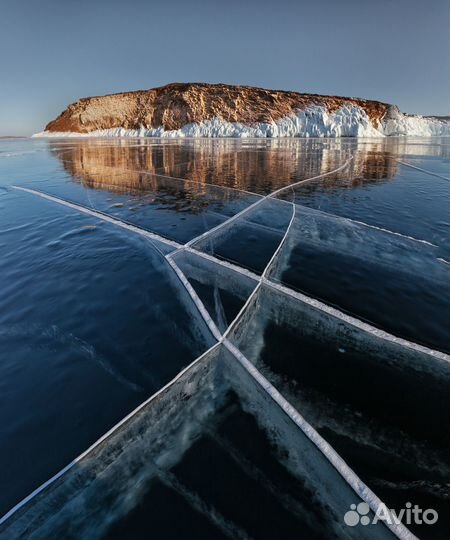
(54, 52)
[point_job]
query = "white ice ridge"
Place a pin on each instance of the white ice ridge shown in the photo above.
(348, 121)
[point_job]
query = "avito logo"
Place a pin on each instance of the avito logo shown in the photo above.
(359, 514)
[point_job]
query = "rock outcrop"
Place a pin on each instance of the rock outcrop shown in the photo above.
(209, 110)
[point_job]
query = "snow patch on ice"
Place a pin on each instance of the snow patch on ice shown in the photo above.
(348, 121)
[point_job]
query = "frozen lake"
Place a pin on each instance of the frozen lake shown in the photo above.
(277, 310)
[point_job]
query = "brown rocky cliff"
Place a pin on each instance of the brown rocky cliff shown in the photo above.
(178, 104)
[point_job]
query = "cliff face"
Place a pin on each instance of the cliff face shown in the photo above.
(174, 106)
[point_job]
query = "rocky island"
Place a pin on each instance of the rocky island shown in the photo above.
(219, 110)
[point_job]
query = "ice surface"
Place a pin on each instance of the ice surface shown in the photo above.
(222, 291)
(388, 195)
(164, 441)
(381, 404)
(173, 208)
(252, 237)
(437, 166)
(402, 285)
(220, 442)
(84, 306)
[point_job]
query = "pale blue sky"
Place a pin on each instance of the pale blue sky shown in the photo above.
(56, 51)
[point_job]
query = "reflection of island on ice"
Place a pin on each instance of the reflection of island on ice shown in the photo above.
(261, 167)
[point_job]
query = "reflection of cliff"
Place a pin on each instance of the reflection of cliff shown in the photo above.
(260, 167)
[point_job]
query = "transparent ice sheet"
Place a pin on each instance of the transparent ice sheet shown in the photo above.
(392, 281)
(83, 306)
(179, 443)
(292, 474)
(222, 291)
(251, 239)
(381, 404)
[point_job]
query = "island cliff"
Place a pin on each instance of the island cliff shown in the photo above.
(219, 110)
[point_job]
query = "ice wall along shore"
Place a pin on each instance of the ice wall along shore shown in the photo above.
(348, 121)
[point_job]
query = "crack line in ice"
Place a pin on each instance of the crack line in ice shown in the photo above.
(360, 488)
(195, 298)
(257, 203)
(420, 240)
(423, 170)
(105, 436)
(101, 215)
(262, 278)
(350, 220)
(366, 327)
(280, 246)
(346, 472)
(282, 288)
(318, 304)
(187, 180)
(179, 179)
